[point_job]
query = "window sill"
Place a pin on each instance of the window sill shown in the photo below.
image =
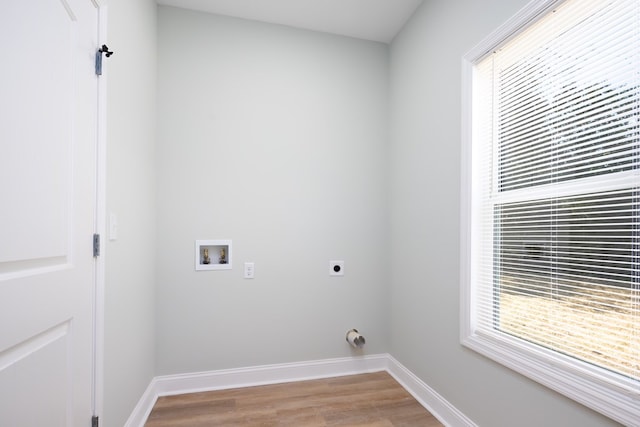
(610, 394)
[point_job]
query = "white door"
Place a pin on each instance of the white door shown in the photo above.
(48, 122)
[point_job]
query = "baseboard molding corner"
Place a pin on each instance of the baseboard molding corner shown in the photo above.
(142, 410)
(448, 414)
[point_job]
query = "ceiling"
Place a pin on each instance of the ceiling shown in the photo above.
(377, 20)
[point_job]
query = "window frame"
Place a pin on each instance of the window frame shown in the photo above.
(589, 385)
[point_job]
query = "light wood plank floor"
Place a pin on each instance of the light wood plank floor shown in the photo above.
(358, 400)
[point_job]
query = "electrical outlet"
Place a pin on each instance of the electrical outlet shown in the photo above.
(113, 226)
(336, 268)
(249, 270)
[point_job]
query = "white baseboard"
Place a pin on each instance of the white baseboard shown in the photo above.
(142, 410)
(290, 372)
(448, 414)
(269, 374)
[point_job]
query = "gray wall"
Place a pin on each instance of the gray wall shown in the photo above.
(129, 353)
(278, 139)
(425, 171)
(275, 138)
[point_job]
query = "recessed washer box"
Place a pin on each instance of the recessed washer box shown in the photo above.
(213, 254)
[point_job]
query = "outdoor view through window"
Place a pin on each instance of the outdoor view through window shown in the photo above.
(557, 135)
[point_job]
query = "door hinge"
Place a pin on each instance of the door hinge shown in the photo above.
(104, 49)
(96, 245)
(94, 421)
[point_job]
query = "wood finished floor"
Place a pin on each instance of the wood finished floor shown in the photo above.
(358, 400)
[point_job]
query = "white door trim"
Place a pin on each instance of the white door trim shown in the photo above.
(100, 223)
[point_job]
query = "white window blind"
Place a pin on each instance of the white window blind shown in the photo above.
(555, 211)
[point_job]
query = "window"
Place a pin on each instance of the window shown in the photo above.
(551, 200)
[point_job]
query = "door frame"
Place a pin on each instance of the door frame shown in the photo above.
(97, 399)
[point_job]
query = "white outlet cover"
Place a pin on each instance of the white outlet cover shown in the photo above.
(113, 226)
(249, 270)
(336, 268)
